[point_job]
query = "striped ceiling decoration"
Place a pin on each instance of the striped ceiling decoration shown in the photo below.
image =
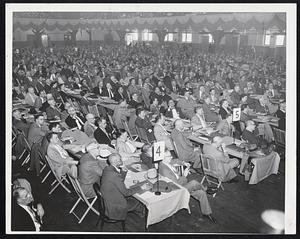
(196, 22)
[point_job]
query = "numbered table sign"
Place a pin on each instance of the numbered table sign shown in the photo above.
(236, 115)
(158, 151)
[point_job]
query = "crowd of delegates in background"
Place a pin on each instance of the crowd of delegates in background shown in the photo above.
(179, 82)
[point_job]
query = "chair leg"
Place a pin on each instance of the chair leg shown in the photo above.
(44, 179)
(72, 209)
(98, 220)
(123, 226)
(102, 224)
(52, 190)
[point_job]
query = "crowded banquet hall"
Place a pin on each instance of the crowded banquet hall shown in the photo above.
(97, 97)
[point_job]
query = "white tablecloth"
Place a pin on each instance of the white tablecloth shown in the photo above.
(162, 206)
(264, 167)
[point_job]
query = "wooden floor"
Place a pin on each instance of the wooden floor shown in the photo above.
(237, 210)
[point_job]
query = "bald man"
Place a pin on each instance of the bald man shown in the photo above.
(225, 165)
(89, 126)
(117, 197)
(184, 146)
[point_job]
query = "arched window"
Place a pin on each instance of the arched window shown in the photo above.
(169, 37)
(147, 36)
(279, 40)
(132, 36)
(267, 38)
(186, 37)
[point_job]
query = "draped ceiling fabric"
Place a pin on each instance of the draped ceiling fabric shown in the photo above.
(240, 22)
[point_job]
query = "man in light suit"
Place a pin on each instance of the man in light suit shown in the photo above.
(161, 134)
(30, 97)
(196, 189)
(184, 147)
(225, 165)
(89, 126)
(117, 198)
(187, 105)
(59, 157)
(198, 120)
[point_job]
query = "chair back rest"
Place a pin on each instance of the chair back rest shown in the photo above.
(93, 109)
(50, 165)
(126, 127)
(142, 134)
(279, 136)
(77, 188)
(84, 109)
(176, 149)
(100, 198)
(25, 140)
(209, 165)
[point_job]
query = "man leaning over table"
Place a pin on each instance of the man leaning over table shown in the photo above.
(117, 198)
(184, 147)
(225, 165)
(196, 189)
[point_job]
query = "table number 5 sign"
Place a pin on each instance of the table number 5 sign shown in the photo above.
(158, 151)
(236, 115)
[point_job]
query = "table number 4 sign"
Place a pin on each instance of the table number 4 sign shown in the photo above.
(236, 115)
(158, 151)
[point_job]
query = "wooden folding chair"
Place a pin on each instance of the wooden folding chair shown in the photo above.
(210, 170)
(26, 149)
(133, 137)
(83, 198)
(142, 135)
(93, 109)
(279, 137)
(57, 181)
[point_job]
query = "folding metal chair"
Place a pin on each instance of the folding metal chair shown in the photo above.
(133, 137)
(102, 217)
(279, 137)
(57, 181)
(82, 197)
(209, 167)
(26, 149)
(142, 135)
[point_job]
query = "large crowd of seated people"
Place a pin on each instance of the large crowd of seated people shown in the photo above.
(145, 86)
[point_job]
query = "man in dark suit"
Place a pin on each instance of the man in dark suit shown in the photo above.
(74, 120)
(101, 134)
(280, 113)
(27, 214)
(117, 198)
(173, 111)
(144, 123)
(52, 111)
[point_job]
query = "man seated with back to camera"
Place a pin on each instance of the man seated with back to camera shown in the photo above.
(90, 168)
(184, 147)
(118, 199)
(225, 165)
